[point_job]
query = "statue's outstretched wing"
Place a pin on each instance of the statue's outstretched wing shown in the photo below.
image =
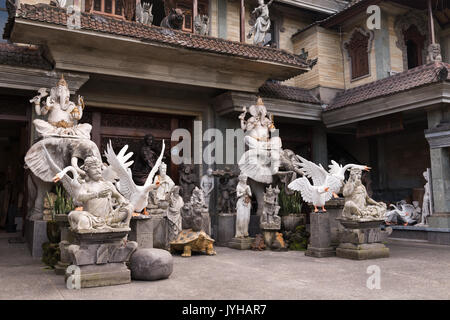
(304, 186)
(336, 168)
(71, 185)
(120, 165)
(316, 172)
(155, 168)
(139, 12)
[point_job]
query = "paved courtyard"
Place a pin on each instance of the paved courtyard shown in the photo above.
(414, 271)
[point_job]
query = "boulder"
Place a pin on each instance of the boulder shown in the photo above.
(151, 264)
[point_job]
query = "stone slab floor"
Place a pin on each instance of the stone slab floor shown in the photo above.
(414, 271)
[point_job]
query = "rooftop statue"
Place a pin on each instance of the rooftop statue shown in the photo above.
(201, 24)
(262, 159)
(62, 114)
(358, 205)
(260, 23)
(144, 13)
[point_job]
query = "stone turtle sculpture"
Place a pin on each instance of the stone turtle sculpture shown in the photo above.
(189, 240)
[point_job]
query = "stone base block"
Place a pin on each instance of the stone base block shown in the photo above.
(226, 228)
(35, 236)
(60, 268)
(439, 220)
(141, 231)
(241, 243)
(320, 252)
(253, 228)
(160, 230)
(109, 274)
(362, 251)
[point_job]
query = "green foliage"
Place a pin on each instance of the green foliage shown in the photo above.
(297, 240)
(62, 204)
(50, 254)
(289, 204)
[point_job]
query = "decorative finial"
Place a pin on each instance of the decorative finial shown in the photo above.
(259, 102)
(62, 82)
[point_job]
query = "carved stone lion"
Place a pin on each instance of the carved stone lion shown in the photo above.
(174, 20)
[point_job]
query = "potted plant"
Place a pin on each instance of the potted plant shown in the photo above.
(61, 204)
(290, 210)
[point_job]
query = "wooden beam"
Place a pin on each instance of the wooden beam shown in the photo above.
(134, 132)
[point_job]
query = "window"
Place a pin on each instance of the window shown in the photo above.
(186, 7)
(414, 42)
(3, 17)
(109, 7)
(358, 50)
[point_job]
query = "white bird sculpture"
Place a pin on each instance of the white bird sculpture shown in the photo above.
(137, 195)
(317, 195)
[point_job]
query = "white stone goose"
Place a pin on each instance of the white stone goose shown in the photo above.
(337, 171)
(319, 192)
(137, 195)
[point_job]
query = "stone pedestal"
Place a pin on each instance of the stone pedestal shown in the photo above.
(66, 239)
(35, 236)
(160, 230)
(101, 256)
(320, 240)
(334, 208)
(226, 228)
(241, 243)
(361, 240)
(253, 228)
(439, 220)
(141, 231)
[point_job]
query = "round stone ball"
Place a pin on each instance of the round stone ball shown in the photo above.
(151, 264)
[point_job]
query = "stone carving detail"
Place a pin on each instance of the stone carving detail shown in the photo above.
(243, 207)
(62, 114)
(227, 190)
(188, 181)
(144, 13)
(195, 213)
(434, 53)
(207, 185)
(174, 20)
(174, 213)
(201, 24)
(144, 160)
(270, 218)
(260, 24)
(358, 205)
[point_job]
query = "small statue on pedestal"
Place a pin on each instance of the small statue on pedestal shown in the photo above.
(426, 203)
(243, 206)
(207, 185)
(270, 218)
(159, 197)
(188, 180)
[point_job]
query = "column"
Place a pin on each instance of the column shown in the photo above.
(319, 145)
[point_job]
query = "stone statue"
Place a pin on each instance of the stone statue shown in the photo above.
(426, 203)
(243, 206)
(174, 20)
(403, 213)
(201, 24)
(358, 205)
(144, 13)
(195, 213)
(103, 206)
(207, 185)
(227, 190)
(145, 160)
(174, 213)
(163, 182)
(270, 218)
(62, 114)
(188, 180)
(262, 159)
(434, 53)
(260, 23)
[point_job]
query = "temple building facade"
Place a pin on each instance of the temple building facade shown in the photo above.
(339, 88)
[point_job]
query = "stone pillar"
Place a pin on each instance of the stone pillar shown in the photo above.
(226, 228)
(319, 146)
(320, 240)
(141, 231)
(438, 136)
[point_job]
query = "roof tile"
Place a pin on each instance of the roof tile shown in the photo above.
(278, 91)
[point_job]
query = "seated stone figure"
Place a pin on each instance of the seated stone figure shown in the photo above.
(103, 206)
(358, 204)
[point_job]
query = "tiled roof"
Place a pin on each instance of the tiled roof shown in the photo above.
(278, 91)
(23, 56)
(413, 78)
(99, 23)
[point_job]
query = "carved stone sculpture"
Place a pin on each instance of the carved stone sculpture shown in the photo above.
(262, 159)
(403, 213)
(358, 205)
(434, 53)
(144, 13)
(145, 160)
(159, 196)
(243, 207)
(227, 190)
(195, 213)
(62, 114)
(174, 20)
(207, 185)
(426, 203)
(201, 24)
(260, 23)
(188, 181)
(174, 213)
(270, 218)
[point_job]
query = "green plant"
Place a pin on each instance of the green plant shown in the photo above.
(297, 240)
(62, 203)
(290, 203)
